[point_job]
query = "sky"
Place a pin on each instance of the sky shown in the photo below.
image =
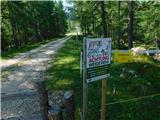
(65, 3)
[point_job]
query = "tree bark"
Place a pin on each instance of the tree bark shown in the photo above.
(103, 16)
(119, 26)
(13, 24)
(130, 24)
(3, 40)
(93, 22)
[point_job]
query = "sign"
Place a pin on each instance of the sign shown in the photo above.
(98, 57)
(123, 57)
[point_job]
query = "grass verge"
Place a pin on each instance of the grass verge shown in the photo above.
(127, 81)
(15, 51)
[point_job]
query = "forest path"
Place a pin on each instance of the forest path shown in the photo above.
(20, 75)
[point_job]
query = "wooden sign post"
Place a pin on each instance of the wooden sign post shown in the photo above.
(96, 64)
(85, 84)
(104, 84)
(103, 103)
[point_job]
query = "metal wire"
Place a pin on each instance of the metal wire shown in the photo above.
(133, 99)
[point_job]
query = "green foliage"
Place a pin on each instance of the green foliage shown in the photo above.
(31, 21)
(146, 21)
(29, 46)
(127, 81)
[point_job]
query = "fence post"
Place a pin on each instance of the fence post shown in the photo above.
(69, 105)
(85, 84)
(43, 97)
(55, 113)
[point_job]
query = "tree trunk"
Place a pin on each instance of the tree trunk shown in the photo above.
(93, 22)
(3, 40)
(130, 24)
(13, 24)
(36, 25)
(103, 16)
(119, 25)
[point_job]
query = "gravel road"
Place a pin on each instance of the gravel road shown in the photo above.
(19, 76)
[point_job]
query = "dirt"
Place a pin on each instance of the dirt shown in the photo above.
(20, 74)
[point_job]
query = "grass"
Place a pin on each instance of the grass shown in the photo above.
(15, 51)
(127, 81)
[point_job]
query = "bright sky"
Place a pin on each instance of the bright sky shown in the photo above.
(65, 3)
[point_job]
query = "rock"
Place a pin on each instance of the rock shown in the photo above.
(157, 57)
(137, 49)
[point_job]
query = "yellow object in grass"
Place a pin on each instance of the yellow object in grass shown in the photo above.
(142, 58)
(123, 57)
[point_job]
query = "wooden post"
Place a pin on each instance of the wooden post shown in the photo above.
(85, 100)
(43, 96)
(103, 104)
(81, 60)
(85, 84)
(69, 105)
(104, 85)
(77, 37)
(55, 113)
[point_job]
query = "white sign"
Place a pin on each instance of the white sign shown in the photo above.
(98, 57)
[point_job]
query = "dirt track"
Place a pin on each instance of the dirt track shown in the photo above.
(20, 74)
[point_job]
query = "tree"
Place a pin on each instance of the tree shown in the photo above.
(103, 17)
(119, 24)
(131, 20)
(130, 24)
(31, 21)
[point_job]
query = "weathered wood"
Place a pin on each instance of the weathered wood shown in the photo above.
(77, 37)
(55, 113)
(85, 84)
(104, 25)
(43, 96)
(103, 103)
(70, 105)
(81, 60)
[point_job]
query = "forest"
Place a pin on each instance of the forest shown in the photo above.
(127, 22)
(43, 60)
(30, 21)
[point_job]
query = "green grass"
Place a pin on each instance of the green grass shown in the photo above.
(127, 81)
(15, 51)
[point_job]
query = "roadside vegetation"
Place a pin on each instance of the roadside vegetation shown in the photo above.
(127, 81)
(128, 23)
(29, 46)
(27, 24)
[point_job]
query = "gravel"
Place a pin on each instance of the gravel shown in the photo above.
(24, 104)
(19, 93)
